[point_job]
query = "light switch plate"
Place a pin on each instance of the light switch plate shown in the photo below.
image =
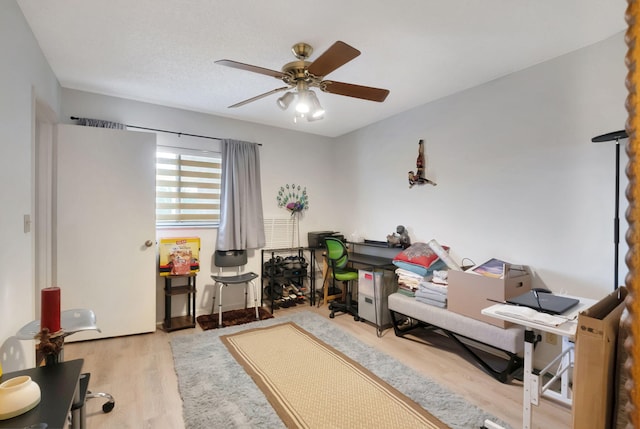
(27, 223)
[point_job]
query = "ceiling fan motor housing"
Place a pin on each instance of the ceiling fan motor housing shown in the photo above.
(296, 69)
(302, 50)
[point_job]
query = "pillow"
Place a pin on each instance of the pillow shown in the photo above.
(419, 269)
(418, 254)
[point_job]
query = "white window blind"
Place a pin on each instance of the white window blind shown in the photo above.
(187, 187)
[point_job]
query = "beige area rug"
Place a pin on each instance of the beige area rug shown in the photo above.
(312, 385)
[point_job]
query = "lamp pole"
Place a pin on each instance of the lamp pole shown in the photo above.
(615, 136)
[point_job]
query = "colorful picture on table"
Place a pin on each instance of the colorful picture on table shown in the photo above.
(179, 256)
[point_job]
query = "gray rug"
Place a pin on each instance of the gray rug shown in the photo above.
(218, 393)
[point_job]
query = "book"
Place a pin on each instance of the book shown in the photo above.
(492, 268)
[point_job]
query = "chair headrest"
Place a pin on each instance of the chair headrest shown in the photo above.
(230, 258)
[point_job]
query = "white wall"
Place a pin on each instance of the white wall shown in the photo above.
(518, 177)
(25, 77)
(286, 157)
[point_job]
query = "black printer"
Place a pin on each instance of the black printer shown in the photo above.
(316, 238)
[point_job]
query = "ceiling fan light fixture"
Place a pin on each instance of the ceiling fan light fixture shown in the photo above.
(317, 111)
(304, 104)
(299, 117)
(315, 117)
(285, 100)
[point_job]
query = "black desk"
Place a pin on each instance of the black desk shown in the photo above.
(58, 386)
(374, 255)
(372, 261)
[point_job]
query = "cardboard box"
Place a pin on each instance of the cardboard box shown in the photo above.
(595, 358)
(469, 293)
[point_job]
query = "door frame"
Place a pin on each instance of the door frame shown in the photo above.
(41, 221)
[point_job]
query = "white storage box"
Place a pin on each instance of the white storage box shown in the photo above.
(368, 302)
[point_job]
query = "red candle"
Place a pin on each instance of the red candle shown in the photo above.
(50, 309)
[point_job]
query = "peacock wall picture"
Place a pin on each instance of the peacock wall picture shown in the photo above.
(294, 198)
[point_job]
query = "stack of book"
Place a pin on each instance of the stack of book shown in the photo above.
(408, 281)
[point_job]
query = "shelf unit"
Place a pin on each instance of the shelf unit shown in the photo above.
(284, 266)
(186, 286)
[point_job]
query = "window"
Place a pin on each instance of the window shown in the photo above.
(187, 187)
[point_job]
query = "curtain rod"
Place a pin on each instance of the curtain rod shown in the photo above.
(75, 118)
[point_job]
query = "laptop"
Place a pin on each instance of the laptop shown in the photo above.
(546, 302)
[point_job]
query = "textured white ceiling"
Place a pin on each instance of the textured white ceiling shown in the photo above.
(163, 51)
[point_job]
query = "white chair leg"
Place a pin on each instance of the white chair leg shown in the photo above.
(220, 306)
(255, 299)
(213, 304)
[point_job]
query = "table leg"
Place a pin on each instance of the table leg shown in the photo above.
(312, 279)
(325, 285)
(377, 297)
(567, 361)
(529, 385)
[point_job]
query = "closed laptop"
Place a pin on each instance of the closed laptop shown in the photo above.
(545, 302)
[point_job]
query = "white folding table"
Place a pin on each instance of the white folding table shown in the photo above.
(533, 388)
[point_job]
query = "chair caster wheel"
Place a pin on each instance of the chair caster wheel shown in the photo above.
(107, 407)
(356, 318)
(331, 316)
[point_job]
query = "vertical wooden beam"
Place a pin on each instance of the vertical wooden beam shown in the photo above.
(633, 212)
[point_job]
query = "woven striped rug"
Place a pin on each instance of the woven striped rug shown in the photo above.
(312, 385)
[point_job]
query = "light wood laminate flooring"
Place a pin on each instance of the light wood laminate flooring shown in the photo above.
(138, 371)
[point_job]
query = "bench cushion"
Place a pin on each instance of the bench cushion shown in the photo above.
(508, 339)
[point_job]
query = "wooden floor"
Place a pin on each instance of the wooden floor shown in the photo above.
(138, 371)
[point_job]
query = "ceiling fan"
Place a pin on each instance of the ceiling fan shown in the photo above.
(302, 75)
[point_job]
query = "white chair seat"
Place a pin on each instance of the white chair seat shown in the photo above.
(71, 321)
(237, 279)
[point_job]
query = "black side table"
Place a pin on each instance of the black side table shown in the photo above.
(58, 389)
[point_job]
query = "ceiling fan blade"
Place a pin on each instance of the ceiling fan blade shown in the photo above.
(258, 97)
(249, 67)
(357, 91)
(336, 56)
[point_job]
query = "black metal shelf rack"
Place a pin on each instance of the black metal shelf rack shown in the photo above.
(286, 273)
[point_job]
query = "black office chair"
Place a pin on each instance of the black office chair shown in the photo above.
(338, 258)
(238, 259)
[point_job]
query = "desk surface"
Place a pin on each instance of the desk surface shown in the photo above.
(371, 260)
(57, 386)
(567, 329)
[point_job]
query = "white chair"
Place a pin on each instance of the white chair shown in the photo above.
(227, 259)
(72, 321)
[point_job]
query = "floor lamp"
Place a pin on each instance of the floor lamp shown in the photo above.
(615, 136)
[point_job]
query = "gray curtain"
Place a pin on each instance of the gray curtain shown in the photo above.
(88, 122)
(241, 218)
